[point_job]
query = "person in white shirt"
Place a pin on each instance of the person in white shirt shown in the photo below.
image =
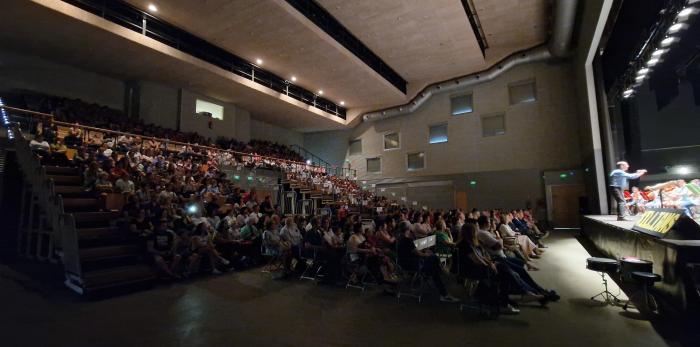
(38, 143)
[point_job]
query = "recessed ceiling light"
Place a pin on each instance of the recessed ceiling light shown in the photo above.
(258, 61)
(320, 92)
(294, 78)
(152, 8)
(342, 103)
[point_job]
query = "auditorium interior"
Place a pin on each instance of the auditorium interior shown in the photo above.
(347, 173)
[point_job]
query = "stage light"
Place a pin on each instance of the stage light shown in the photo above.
(294, 78)
(667, 41)
(639, 78)
(627, 93)
(683, 170)
(676, 28)
(652, 61)
(686, 12)
(152, 8)
(643, 71)
(659, 52)
(342, 103)
(259, 61)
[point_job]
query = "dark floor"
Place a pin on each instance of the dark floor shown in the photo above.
(250, 309)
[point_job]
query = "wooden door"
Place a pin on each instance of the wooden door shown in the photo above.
(461, 200)
(565, 205)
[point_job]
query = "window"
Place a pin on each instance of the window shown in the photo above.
(356, 147)
(374, 165)
(461, 104)
(522, 92)
(216, 111)
(437, 133)
(391, 141)
(493, 125)
(415, 161)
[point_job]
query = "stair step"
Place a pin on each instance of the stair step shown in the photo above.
(66, 180)
(62, 170)
(72, 191)
(81, 204)
(109, 252)
(119, 276)
(94, 219)
(99, 233)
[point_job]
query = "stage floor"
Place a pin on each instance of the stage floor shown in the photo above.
(612, 220)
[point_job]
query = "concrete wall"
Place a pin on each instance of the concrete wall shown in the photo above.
(265, 131)
(331, 146)
(542, 135)
(19, 71)
(539, 135)
(159, 104)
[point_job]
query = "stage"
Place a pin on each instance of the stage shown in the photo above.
(672, 258)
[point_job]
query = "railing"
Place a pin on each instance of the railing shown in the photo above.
(333, 170)
(132, 18)
(32, 118)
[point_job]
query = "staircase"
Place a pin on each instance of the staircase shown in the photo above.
(61, 222)
(313, 159)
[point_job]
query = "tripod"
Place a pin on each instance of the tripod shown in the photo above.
(608, 297)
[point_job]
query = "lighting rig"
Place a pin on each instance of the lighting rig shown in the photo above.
(663, 36)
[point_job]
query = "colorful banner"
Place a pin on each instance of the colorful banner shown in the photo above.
(658, 221)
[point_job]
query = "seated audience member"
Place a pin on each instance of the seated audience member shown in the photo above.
(161, 245)
(474, 263)
(525, 247)
(38, 144)
(124, 184)
(274, 244)
(290, 233)
(494, 247)
(412, 259)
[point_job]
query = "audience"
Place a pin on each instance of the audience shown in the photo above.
(194, 219)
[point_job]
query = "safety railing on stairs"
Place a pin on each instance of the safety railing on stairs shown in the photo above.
(331, 169)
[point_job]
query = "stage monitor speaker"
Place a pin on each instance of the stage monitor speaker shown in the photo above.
(668, 223)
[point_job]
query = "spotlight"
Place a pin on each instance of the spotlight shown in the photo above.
(676, 28)
(627, 93)
(667, 41)
(686, 12)
(639, 78)
(657, 53)
(342, 103)
(683, 170)
(152, 8)
(652, 61)
(320, 92)
(259, 61)
(643, 71)
(294, 78)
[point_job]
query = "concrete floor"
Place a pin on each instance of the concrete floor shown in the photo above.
(250, 309)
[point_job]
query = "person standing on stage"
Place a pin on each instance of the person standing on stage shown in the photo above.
(618, 183)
